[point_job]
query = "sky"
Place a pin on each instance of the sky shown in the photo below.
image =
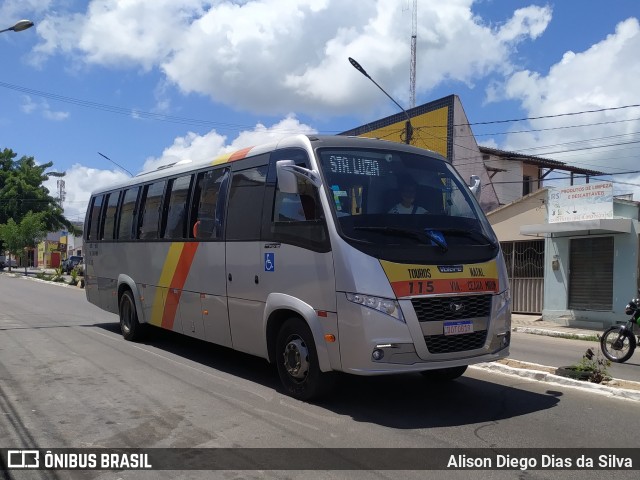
(146, 83)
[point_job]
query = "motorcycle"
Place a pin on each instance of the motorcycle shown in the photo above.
(619, 342)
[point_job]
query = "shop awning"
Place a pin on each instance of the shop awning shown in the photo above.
(583, 227)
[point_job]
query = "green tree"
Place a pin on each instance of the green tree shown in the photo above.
(22, 191)
(18, 237)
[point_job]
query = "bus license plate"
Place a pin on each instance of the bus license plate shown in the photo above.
(456, 328)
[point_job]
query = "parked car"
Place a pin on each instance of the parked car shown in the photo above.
(74, 261)
(4, 262)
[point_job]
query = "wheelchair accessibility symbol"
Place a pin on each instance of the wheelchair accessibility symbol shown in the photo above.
(269, 262)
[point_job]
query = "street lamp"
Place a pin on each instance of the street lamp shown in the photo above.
(408, 131)
(18, 27)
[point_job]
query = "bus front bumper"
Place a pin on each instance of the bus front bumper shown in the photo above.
(372, 343)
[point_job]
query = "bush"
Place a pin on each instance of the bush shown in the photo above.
(74, 277)
(595, 364)
(44, 276)
(57, 277)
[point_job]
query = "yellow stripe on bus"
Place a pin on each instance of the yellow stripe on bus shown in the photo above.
(169, 268)
(408, 280)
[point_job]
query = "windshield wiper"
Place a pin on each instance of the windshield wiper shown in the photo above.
(469, 233)
(424, 236)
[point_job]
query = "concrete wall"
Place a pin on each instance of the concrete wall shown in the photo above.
(625, 275)
(508, 185)
(467, 158)
(530, 210)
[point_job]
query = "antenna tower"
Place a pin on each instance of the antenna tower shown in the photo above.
(62, 194)
(412, 66)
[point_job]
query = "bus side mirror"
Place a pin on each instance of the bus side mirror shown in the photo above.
(288, 173)
(475, 186)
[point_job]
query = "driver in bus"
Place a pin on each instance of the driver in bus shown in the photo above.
(407, 203)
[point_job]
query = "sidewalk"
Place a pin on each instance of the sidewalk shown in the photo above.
(535, 324)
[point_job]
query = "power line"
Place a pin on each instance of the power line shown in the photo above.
(122, 110)
(194, 121)
(423, 129)
(525, 119)
(533, 130)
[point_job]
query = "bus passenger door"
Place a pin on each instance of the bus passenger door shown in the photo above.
(295, 248)
(245, 298)
(203, 304)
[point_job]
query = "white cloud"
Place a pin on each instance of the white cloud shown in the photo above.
(601, 77)
(203, 147)
(118, 33)
(29, 106)
(55, 116)
(530, 21)
(13, 10)
(277, 56)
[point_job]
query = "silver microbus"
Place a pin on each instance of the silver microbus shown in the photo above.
(318, 253)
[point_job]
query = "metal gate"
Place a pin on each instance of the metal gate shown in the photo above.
(591, 273)
(525, 267)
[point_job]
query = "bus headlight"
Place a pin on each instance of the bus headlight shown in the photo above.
(384, 305)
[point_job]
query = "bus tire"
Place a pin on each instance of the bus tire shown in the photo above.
(130, 327)
(444, 374)
(297, 362)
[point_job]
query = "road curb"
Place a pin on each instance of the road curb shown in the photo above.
(35, 279)
(541, 376)
(552, 333)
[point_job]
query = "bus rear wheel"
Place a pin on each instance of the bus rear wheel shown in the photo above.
(131, 328)
(444, 374)
(297, 361)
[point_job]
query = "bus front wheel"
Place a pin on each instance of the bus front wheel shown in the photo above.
(297, 361)
(129, 325)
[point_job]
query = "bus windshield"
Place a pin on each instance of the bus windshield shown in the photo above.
(405, 207)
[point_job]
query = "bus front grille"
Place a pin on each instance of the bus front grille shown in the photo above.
(455, 343)
(438, 309)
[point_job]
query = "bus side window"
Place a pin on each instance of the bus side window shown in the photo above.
(127, 213)
(206, 218)
(109, 220)
(297, 207)
(94, 219)
(246, 196)
(177, 210)
(150, 210)
(294, 218)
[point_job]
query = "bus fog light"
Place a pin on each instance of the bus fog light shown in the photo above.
(377, 354)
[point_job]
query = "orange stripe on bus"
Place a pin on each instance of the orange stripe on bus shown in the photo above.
(240, 154)
(174, 292)
(434, 287)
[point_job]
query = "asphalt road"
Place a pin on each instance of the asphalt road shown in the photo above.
(558, 352)
(68, 379)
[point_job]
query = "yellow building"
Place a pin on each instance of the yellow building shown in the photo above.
(441, 126)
